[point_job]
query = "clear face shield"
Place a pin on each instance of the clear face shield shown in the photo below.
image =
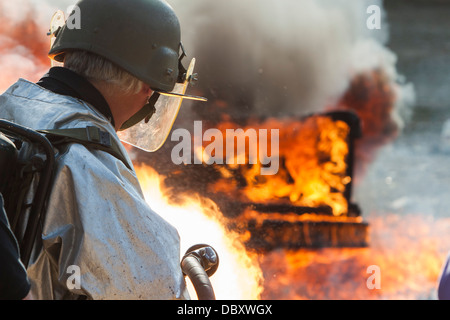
(159, 115)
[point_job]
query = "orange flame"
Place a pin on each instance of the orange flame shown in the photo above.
(409, 251)
(313, 154)
(198, 220)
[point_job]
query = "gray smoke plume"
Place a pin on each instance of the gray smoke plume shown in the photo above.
(278, 57)
(261, 57)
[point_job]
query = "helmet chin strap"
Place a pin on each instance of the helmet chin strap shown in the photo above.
(146, 113)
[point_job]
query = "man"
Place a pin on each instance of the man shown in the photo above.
(14, 283)
(444, 281)
(100, 239)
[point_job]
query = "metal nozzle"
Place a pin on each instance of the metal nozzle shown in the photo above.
(206, 256)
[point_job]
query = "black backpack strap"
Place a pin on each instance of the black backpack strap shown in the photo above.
(91, 137)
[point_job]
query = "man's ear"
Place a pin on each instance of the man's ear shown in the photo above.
(146, 90)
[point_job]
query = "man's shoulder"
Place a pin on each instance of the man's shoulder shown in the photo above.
(29, 104)
(88, 157)
(26, 89)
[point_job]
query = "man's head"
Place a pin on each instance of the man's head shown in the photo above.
(126, 48)
(125, 93)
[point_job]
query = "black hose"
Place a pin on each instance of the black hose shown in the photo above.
(199, 263)
(199, 278)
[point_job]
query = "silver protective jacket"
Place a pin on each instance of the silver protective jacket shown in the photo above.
(98, 224)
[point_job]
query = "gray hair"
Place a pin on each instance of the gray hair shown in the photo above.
(98, 69)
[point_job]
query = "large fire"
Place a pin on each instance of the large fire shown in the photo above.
(199, 220)
(408, 249)
(313, 171)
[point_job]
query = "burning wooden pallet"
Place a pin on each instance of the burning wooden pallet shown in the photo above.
(306, 204)
(301, 218)
(291, 230)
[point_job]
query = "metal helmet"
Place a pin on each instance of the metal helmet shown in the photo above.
(141, 36)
